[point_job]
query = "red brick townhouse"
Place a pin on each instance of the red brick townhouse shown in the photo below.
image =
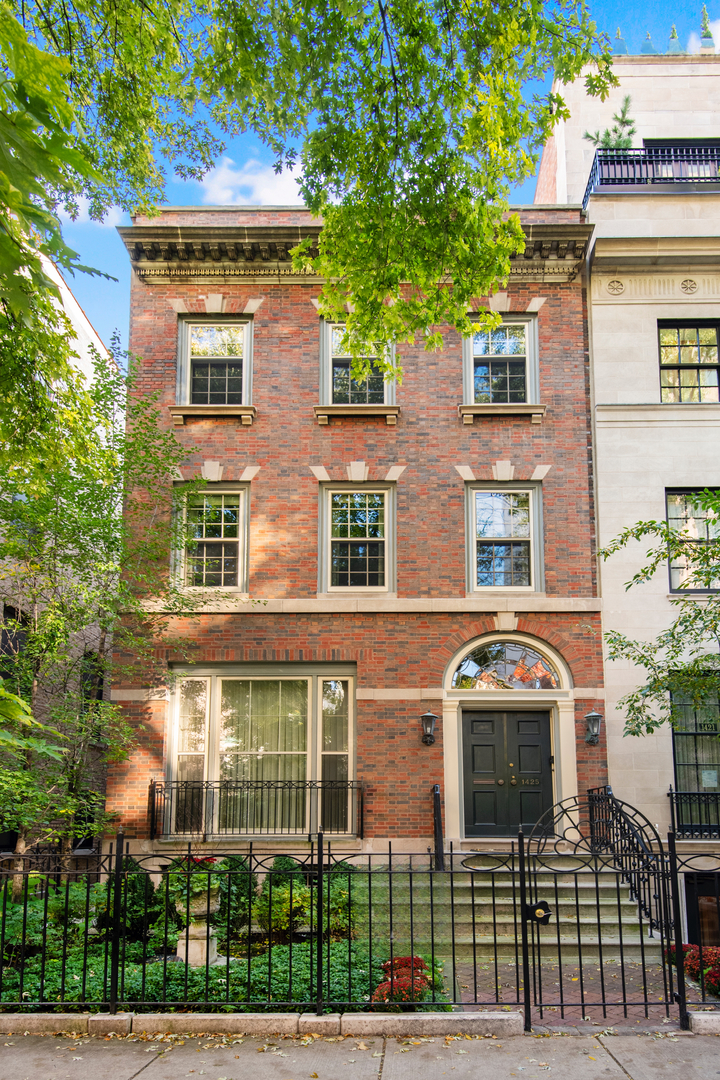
(423, 548)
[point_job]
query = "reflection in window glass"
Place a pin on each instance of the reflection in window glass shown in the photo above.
(357, 544)
(335, 759)
(213, 529)
(502, 529)
(689, 364)
(192, 729)
(505, 665)
(699, 526)
(216, 353)
(345, 389)
(499, 365)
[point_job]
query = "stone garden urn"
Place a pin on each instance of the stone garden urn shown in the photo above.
(196, 946)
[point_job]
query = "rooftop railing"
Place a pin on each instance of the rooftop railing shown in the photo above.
(653, 165)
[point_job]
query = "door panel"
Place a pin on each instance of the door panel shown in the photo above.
(507, 771)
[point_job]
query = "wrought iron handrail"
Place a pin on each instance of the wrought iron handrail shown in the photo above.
(695, 815)
(653, 165)
(613, 830)
(255, 808)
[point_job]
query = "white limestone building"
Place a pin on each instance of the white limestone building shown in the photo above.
(653, 282)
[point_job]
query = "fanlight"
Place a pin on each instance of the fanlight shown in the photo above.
(505, 665)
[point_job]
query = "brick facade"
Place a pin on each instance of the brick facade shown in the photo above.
(394, 649)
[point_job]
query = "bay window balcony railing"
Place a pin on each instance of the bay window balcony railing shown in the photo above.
(653, 165)
(250, 808)
(695, 815)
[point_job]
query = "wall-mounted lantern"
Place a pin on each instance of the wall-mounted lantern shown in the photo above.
(592, 723)
(428, 725)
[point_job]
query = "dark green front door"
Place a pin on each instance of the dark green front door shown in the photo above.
(507, 771)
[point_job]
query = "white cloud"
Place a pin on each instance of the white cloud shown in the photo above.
(252, 184)
(693, 45)
(113, 217)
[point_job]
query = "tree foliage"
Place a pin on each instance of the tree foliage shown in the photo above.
(681, 664)
(407, 122)
(84, 547)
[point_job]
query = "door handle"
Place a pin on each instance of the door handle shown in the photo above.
(500, 783)
(513, 782)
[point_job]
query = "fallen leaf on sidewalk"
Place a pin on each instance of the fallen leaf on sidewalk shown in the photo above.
(313, 1076)
(362, 1046)
(377, 1053)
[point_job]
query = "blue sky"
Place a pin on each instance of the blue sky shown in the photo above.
(245, 176)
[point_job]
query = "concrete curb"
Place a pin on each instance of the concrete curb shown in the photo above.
(360, 1024)
(429, 1023)
(705, 1023)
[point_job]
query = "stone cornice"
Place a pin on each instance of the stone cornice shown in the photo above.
(218, 253)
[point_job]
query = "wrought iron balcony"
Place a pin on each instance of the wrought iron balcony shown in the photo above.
(249, 808)
(695, 815)
(662, 166)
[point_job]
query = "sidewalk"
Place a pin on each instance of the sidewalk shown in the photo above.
(645, 1056)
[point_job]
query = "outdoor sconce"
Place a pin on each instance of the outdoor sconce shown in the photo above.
(592, 722)
(428, 725)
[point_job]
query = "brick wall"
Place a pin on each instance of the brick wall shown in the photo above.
(390, 650)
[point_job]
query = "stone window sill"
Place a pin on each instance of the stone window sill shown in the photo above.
(246, 413)
(469, 412)
(324, 412)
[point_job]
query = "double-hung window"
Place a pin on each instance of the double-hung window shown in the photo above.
(501, 368)
(503, 537)
(689, 364)
(216, 542)
(697, 526)
(500, 365)
(347, 390)
(357, 534)
(214, 366)
(263, 753)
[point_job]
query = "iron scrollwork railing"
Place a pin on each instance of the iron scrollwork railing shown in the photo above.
(695, 815)
(255, 808)
(621, 831)
(653, 165)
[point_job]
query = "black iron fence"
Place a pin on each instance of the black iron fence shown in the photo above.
(584, 917)
(653, 165)
(695, 815)
(246, 808)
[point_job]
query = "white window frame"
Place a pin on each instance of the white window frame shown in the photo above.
(327, 490)
(537, 570)
(532, 363)
(184, 361)
(181, 558)
(313, 674)
(326, 371)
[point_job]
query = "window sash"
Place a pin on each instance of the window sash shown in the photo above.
(214, 361)
(684, 516)
(337, 387)
(210, 744)
(689, 363)
(357, 523)
(214, 528)
(503, 546)
(500, 365)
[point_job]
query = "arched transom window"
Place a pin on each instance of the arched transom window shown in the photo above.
(505, 665)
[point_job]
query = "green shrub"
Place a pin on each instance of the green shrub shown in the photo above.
(283, 975)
